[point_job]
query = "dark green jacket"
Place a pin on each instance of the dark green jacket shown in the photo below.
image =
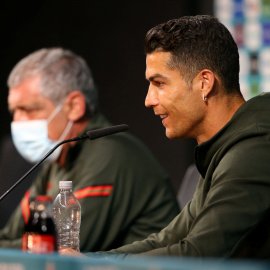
(229, 213)
(123, 191)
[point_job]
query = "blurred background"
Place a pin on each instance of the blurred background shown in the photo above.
(110, 36)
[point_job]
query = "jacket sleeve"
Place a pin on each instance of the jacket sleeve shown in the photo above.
(11, 233)
(236, 202)
(158, 243)
(139, 201)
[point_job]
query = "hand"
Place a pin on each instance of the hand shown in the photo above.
(70, 252)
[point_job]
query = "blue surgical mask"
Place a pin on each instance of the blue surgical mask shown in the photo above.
(31, 138)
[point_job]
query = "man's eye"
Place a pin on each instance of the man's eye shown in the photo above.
(158, 84)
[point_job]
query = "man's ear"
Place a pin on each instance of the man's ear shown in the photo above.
(75, 106)
(206, 82)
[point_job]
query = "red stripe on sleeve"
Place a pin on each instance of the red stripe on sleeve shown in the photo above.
(94, 191)
(25, 206)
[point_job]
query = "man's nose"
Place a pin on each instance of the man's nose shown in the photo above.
(151, 99)
(18, 115)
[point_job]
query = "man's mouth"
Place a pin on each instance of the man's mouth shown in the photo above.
(163, 118)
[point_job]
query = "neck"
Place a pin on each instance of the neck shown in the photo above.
(77, 128)
(219, 111)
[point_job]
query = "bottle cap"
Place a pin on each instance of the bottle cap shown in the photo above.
(65, 184)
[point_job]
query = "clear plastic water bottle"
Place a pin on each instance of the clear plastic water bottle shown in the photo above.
(67, 217)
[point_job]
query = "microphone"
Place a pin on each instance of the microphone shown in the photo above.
(98, 133)
(91, 135)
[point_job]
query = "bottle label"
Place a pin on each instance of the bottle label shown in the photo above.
(38, 243)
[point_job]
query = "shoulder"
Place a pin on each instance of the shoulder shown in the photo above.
(248, 156)
(120, 148)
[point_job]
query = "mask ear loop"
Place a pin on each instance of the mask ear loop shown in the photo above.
(54, 113)
(66, 131)
(69, 124)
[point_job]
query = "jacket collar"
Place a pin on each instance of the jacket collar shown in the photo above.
(97, 121)
(244, 117)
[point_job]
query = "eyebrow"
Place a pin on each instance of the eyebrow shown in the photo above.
(10, 109)
(157, 75)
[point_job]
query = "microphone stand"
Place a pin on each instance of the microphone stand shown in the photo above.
(91, 135)
(37, 164)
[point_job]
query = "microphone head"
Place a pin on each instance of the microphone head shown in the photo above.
(97, 133)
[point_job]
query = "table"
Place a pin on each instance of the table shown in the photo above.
(17, 260)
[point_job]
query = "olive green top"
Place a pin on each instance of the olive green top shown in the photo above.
(229, 213)
(123, 191)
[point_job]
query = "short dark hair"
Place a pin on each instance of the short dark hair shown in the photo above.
(196, 43)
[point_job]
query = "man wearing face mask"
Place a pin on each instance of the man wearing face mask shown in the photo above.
(31, 139)
(52, 97)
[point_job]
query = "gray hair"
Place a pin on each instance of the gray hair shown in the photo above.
(62, 72)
